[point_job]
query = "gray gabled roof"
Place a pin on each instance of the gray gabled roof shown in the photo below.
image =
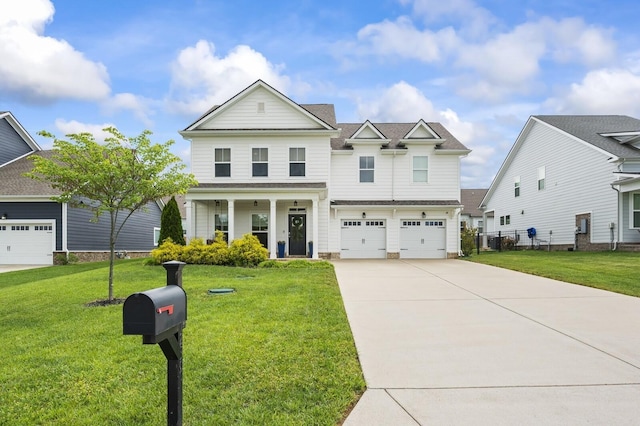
(395, 132)
(471, 199)
(14, 183)
(590, 128)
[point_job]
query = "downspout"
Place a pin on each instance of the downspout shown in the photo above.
(613, 245)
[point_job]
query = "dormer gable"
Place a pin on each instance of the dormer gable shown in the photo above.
(15, 141)
(367, 134)
(422, 133)
(259, 107)
(625, 138)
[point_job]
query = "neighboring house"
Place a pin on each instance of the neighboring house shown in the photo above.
(471, 216)
(575, 179)
(33, 227)
(288, 173)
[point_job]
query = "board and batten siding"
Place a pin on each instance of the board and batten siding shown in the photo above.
(12, 146)
(36, 210)
(137, 234)
(260, 109)
(577, 180)
(393, 176)
(317, 153)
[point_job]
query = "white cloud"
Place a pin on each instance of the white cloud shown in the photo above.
(40, 68)
(73, 126)
(201, 79)
(604, 91)
(138, 105)
(475, 20)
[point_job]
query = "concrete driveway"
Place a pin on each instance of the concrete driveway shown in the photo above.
(454, 342)
(9, 268)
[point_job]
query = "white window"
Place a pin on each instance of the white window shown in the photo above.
(222, 224)
(260, 227)
(297, 162)
(541, 178)
(635, 211)
(366, 169)
(223, 162)
(156, 236)
(260, 161)
(421, 169)
(516, 186)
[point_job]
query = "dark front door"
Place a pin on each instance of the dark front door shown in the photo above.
(297, 235)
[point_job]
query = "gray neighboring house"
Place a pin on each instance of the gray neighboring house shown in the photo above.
(471, 216)
(33, 227)
(575, 179)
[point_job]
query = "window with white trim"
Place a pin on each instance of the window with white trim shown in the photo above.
(222, 162)
(156, 236)
(421, 169)
(635, 210)
(366, 169)
(297, 163)
(222, 224)
(541, 177)
(260, 161)
(516, 186)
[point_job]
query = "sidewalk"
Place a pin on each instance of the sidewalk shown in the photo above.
(453, 342)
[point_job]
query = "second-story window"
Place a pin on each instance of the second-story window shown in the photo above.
(366, 169)
(421, 169)
(260, 161)
(297, 162)
(222, 162)
(541, 178)
(516, 186)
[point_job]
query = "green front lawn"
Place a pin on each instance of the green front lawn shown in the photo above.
(613, 271)
(279, 351)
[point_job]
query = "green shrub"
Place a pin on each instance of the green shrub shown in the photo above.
(167, 251)
(217, 253)
(272, 263)
(468, 241)
(247, 251)
(298, 263)
(194, 252)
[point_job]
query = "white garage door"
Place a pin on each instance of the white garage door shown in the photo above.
(422, 239)
(363, 239)
(26, 243)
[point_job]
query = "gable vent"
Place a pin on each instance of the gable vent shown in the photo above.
(261, 107)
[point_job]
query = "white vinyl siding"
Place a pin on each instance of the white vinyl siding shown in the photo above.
(421, 169)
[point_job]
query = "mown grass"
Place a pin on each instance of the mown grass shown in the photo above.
(613, 271)
(279, 351)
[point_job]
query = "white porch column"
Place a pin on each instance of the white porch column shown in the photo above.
(273, 244)
(191, 220)
(315, 233)
(231, 220)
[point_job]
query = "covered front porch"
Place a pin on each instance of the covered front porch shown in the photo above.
(287, 215)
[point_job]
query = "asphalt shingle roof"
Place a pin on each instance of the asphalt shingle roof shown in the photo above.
(14, 183)
(471, 199)
(590, 127)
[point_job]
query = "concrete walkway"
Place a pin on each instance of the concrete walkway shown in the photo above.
(456, 343)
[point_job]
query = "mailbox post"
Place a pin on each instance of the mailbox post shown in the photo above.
(159, 315)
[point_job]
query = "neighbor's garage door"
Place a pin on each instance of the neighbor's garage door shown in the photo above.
(26, 244)
(422, 239)
(363, 239)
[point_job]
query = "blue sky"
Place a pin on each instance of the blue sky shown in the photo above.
(481, 68)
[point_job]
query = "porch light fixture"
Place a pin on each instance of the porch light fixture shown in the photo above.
(364, 215)
(295, 203)
(217, 203)
(4, 216)
(255, 203)
(424, 215)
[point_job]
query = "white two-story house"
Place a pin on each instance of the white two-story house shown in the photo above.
(290, 174)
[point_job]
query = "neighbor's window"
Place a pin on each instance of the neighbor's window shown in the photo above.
(421, 169)
(156, 236)
(366, 169)
(516, 186)
(296, 161)
(507, 220)
(223, 162)
(636, 210)
(480, 225)
(501, 220)
(260, 161)
(541, 177)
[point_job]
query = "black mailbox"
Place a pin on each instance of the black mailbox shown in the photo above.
(156, 313)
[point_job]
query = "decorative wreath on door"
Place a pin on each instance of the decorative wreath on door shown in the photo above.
(297, 233)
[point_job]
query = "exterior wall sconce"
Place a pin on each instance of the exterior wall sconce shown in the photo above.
(295, 203)
(4, 216)
(522, 212)
(424, 215)
(364, 215)
(255, 203)
(217, 203)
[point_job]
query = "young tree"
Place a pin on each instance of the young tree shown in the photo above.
(119, 177)
(171, 223)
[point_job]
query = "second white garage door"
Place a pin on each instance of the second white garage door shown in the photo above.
(28, 243)
(423, 239)
(363, 239)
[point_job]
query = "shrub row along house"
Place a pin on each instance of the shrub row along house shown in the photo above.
(574, 179)
(292, 176)
(33, 228)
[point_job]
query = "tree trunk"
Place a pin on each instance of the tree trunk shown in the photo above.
(112, 254)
